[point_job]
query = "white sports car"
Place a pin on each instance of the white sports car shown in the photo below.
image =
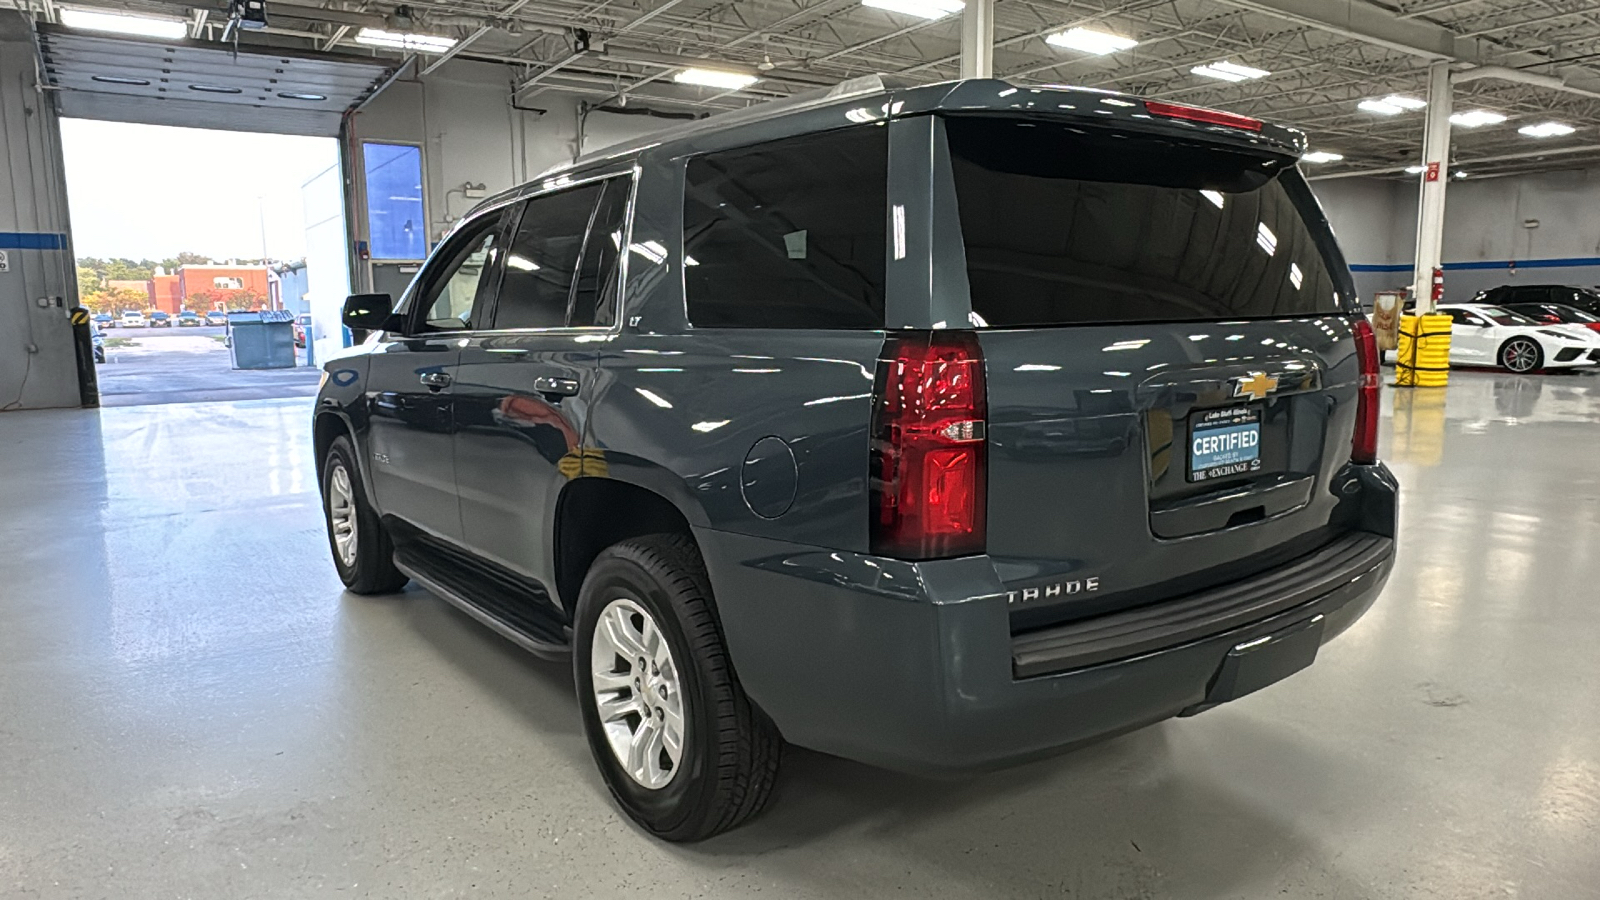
(1485, 335)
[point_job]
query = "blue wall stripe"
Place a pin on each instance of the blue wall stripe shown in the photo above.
(1560, 263)
(32, 240)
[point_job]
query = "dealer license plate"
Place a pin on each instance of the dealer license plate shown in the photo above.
(1224, 443)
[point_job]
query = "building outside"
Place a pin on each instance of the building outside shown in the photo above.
(290, 287)
(136, 286)
(220, 284)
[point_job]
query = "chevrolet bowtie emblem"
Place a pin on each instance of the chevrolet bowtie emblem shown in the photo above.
(1256, 385)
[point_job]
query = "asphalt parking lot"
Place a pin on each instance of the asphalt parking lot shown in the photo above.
(187, 365)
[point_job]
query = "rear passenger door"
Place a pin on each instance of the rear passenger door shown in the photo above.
(526, 377)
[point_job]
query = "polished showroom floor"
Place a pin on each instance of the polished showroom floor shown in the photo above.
(191, 707)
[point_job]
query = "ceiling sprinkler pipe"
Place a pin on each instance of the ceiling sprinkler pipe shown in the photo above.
(1521, 76)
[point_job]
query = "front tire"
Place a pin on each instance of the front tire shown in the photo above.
(682, 749)
(1521, 355)
(362, 551)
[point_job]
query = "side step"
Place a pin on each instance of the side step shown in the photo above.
(520, 613)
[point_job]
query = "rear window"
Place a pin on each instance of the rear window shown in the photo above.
(789, 234)
(1067, 225)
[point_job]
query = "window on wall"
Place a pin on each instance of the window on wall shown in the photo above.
(397, 227)
(228, 284)
(789, 234)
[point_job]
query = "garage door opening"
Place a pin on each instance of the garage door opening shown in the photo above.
(201, 254)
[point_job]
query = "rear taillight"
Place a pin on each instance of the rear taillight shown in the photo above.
(1197, 114)
(1593, 326)
(1364, 448)
(929, 447)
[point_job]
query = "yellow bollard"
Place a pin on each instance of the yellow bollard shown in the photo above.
(1423, 358)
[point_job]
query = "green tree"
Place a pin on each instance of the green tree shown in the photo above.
(89, 281)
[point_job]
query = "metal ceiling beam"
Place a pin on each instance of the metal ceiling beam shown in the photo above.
(1464, 164)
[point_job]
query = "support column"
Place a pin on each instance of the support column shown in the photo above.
(977, 39)
(1435, 176)
(38, 277)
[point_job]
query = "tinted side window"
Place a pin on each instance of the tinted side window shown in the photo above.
(789, 234)
(596, 289)
(543, 259)
(460, 275)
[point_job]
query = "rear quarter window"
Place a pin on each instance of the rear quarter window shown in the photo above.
(1065, 225)
(788, 234)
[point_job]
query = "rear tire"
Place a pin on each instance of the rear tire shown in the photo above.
(1521, 355)
(653, 592)
(362, 551)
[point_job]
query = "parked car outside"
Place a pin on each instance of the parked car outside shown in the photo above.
(104, 320)
(189, 319)
(160, 319)
(1556, 314)
(216, 317)
(132, 318)
(1069, 429)
(1483, 335)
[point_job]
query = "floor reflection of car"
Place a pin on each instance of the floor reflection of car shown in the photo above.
(188, 319)
(216, 317)
(159, 319)
(1491, 336)
(132, 318)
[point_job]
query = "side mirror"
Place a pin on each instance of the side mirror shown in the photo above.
(370, 312)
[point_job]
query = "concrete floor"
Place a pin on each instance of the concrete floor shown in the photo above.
(189, 365)
(191, 707)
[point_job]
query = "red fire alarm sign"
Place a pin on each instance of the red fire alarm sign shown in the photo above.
(1433, 172)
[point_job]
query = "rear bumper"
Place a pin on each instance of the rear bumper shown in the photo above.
(912, 666)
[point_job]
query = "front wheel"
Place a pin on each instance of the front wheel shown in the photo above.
(1521, 355)
(681, 748)
(362, 551)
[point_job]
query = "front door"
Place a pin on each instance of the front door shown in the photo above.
(409, 383)
(523, 385)
(1471, 339)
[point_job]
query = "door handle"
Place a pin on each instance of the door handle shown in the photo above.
(436, 381)
(555, 387)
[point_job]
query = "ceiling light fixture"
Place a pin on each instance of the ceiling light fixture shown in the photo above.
(120, 79)
(1546, 129)
(1380, 107)
(1416, 170)
(922, 9)
(1088, 40)
(1404, 102)
(121, 23)
(1228, 71)
(1321, 156)
(301, 95)
(422, 43)
(1476, 118)
(715, 78)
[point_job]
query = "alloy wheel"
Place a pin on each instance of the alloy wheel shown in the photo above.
(1520, 356)
(342, 514)
(637, 693)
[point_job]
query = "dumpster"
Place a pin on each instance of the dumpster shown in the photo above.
(262, 340)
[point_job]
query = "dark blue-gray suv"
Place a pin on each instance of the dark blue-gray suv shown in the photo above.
(936, 427)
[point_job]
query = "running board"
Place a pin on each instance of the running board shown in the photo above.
(514, 615)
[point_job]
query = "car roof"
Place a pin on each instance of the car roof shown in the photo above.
(877, 98)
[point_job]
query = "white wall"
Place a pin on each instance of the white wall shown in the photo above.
(327, 267)
(1485, 241)
(463, 117)
(38, 366)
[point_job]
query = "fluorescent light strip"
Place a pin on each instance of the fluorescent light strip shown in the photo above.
(1476, 118)
(1321, 156)
(424, 43)
(1265, 239)
(118, 23)
(1416, 170)
(1546, 129)
(1228, 71)
(1087, 40)
(1380, 107)
(922, 9)
(715, 78)
(1405, 102)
